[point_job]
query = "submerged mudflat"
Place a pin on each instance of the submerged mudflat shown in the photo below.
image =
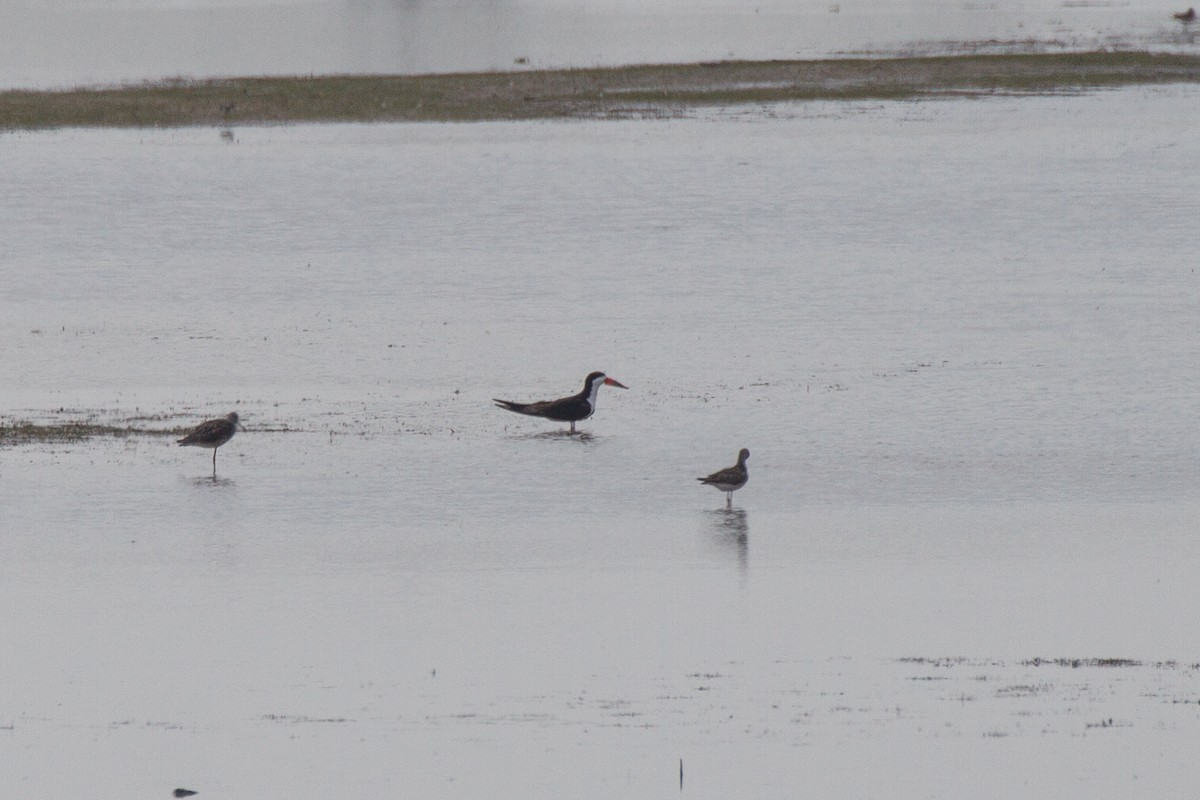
(655, 90)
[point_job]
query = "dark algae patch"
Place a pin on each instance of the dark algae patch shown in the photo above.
(16, 432)
(1078, 663)
(603, 92)
(29, 433)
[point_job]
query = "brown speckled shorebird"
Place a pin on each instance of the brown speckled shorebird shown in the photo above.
(212, 433)
(1186, 17)
(730, 479)
(575, 408)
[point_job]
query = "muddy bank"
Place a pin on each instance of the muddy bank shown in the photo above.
(662, 90)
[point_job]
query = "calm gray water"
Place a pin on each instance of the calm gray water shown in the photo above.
(959, 338)
(72, 42)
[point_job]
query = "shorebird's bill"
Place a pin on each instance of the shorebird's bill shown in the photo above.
(610, 382)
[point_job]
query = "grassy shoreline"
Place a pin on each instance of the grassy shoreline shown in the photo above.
(616, 92)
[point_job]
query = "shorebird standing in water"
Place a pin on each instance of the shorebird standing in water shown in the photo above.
(1186, 16)
(575, 408)
(730, 479)
(212, 434)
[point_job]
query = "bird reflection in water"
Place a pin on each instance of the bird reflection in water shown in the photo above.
(213, 482)
(731, 530)
(557, 436)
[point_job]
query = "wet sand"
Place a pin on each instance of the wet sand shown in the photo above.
(633, 91)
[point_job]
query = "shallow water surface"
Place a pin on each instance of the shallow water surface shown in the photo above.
(958, 338)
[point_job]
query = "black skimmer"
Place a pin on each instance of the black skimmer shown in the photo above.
(213, 434)
(1186, 16)
(730, 479)
(575, 408)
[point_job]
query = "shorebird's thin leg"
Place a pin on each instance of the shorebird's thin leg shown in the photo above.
(214, 462)
(572, 426)
(729, 499)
